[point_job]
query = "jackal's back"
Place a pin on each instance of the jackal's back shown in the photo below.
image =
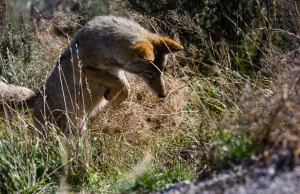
(107, 39)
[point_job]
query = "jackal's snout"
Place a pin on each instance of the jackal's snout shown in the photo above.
(156, 85)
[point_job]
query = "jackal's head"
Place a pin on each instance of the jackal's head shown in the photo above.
(149, 60)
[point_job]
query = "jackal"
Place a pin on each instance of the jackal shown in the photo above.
(92, 69)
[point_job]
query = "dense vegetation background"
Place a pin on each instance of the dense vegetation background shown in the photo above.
(233, 95)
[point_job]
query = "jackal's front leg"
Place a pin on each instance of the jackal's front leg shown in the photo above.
(122, 95)
(115, 84)
(112, 92)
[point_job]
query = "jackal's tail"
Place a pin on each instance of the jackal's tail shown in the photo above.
(15, 97)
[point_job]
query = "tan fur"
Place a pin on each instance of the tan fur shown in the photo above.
(92, 68)
(143, 51)
(170, 45)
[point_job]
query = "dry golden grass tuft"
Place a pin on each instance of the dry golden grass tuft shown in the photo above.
(49, 46)
(143, 115)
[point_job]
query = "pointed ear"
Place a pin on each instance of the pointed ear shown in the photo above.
(168, 45)
(143, 51)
